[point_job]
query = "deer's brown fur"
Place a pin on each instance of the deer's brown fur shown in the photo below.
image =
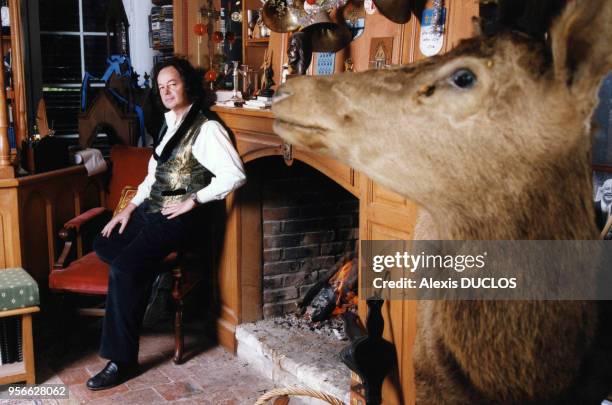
(508, 158)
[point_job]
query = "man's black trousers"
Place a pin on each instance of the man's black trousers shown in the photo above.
(135, 258)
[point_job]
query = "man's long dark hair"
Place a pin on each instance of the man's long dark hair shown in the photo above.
(192, 81)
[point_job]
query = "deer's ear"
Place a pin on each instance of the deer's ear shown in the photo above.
(581, 43)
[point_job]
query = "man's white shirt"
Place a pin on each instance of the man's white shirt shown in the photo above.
(213, 149)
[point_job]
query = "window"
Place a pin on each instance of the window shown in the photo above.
(72, 42)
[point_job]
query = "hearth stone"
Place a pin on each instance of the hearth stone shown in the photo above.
(297, 356)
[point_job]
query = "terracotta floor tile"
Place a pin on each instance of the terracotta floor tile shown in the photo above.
(146, 396)
(68, 401)
(173, 372)
(225, 397)
(213, 384)
(82, 393)
(201, 399)
(178, 390)
(149, 378)
(195, 369)
(73, 376)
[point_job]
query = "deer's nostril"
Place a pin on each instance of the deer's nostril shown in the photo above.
(281, 94)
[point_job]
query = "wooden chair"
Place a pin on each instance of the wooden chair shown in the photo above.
(88, 274)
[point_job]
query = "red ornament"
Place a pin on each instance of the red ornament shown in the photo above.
(231, 37)
(200, 29)
(217, 37)
(311, 2)
(210, 76)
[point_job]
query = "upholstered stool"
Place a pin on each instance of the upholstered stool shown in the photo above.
(19, 297)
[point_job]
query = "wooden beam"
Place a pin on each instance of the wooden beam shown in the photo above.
(19, 106)
(6, 170)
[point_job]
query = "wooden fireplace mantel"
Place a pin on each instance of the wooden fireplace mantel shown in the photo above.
(255, 139)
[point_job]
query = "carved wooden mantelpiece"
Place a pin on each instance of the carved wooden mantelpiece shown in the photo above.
(255, 138)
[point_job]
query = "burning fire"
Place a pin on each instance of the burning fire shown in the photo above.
(334, 295)
(344, 285)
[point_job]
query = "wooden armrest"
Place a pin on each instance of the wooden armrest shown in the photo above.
(75, 228)
(68, 235)
(78, 221)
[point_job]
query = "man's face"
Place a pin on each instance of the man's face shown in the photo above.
(606, 191)
(172, 89)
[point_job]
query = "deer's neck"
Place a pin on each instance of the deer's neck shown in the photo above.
(555, 203)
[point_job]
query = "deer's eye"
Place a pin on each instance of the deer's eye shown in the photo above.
(464, 79)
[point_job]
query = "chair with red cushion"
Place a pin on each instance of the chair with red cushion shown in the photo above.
(88, 274)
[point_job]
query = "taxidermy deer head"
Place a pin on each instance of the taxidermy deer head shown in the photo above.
(494, 140)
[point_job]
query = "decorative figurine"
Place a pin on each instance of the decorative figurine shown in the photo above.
(348, 65)
(299, 53)
(267, 80)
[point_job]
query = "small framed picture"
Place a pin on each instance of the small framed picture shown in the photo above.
(602, 139)
(602, 195)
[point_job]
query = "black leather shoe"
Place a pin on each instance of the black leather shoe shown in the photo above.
(114, 373)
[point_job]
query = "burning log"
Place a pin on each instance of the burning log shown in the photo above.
(334, 295)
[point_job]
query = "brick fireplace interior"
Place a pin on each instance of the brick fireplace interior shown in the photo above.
(297, 227)
(309, 223)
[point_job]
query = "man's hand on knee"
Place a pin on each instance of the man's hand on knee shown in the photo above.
(122, 218)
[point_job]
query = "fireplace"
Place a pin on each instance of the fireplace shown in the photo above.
(309, 226)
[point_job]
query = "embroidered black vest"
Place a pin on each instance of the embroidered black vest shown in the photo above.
(178, 172)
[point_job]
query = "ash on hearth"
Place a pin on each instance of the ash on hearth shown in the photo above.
(332, 327)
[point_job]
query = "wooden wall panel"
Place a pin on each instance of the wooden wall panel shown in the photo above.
(34, 235)
(359, 50)
(384, 215)
(230, 276)
(10, 253)
(460, 25)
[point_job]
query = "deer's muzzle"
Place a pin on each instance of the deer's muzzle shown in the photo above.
(281, 94)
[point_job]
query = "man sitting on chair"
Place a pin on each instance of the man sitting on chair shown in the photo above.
(194, 163)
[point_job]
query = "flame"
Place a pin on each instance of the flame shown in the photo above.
(345, 298)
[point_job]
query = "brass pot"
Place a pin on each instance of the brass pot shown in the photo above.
(280, 17)
(397, 11)
(326, 35)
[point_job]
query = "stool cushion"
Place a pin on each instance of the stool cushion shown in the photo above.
(17, 289)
